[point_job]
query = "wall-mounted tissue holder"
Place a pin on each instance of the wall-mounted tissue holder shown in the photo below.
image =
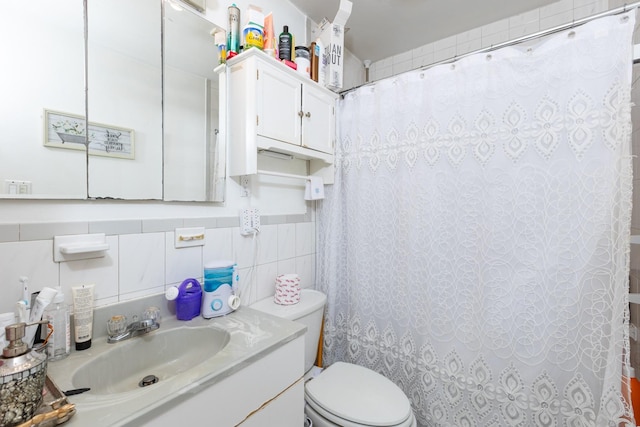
(188, 237)
(79, 246)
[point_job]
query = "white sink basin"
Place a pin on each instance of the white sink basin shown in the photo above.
(162, 353)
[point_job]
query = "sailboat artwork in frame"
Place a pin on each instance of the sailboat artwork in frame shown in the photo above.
(65, 130)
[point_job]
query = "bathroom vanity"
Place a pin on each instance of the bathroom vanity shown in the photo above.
(253, 377)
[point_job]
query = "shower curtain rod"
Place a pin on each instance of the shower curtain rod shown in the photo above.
(539, 34)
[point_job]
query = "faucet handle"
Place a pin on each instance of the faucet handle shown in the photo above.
(117, 324)
(152, 313)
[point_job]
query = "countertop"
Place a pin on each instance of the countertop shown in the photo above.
(253, 335)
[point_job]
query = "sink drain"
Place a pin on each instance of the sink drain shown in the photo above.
(148, 380)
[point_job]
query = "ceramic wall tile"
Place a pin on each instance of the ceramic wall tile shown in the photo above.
(48, 230)
(103, 272)
(247, 285)
(468, 36)
(266, 280)
(268, 244)
(244, 248)
(588, 8)
(446, 43)
(384, 63)
(442, 54)
(286, 241)
(495, 27)
(274, 220)
(402, 57)
(182, 263)
(34, 260)
(381, 73)
(524, 18)
(305, 238)
(468, 46)
(423, 50)
(218, 245)
(128, 296)
(157, 225)
(423, 60)
(556, 20)
(524, 30)
(305, 266)
(206, 222)
(227, 222)
(9, 232)
(401, 67)
(556, 8)
(116, 227)
(142, 262)
(287, 266)
(495, 39)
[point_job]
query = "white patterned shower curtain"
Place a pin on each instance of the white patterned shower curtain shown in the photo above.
(474, 247)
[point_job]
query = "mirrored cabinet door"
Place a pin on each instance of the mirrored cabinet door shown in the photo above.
(124, 70)
(42, 101)
(75, 126)
(193, 155)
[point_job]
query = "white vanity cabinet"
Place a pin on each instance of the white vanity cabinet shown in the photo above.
(267, 392)
(272, 107)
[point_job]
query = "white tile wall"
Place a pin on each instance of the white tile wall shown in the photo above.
(142, 259)
(553, 15)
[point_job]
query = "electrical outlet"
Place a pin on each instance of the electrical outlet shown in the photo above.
(249, 221)
(13, 186)
(244, 183)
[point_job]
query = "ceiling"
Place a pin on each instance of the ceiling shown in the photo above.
(378, 29)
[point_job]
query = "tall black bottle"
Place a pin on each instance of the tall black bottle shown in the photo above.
(285, 41)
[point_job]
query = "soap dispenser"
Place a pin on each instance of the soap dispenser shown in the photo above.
(22, 377)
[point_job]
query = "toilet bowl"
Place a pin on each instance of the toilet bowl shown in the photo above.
(343, 394)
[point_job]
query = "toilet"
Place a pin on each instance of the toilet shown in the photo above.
(343, 394)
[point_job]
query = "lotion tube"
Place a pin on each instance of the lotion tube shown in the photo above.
(83, 315)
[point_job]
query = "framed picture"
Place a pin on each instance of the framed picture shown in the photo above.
(65, 130)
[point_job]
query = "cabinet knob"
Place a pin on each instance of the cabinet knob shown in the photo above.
(300, 113)
(308, 115)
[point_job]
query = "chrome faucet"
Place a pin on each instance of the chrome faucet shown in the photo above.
(118, 329)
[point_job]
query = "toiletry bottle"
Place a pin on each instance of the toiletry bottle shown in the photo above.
(322, 61)
(233, 30)
(635, 394)
(285, 42)
(57, 313)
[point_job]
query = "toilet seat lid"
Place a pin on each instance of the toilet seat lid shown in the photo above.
(359, 395)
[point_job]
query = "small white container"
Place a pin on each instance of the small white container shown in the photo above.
(302, 61)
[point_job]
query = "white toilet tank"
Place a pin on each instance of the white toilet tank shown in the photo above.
(308, 311)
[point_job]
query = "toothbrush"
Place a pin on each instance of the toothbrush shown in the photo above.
(22, 306)
(24, 284)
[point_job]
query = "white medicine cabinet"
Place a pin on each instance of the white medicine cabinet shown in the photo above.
(273, 107)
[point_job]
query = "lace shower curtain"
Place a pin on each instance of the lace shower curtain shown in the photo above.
(475, 244)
